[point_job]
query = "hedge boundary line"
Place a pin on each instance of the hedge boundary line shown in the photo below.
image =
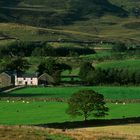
(63, 100)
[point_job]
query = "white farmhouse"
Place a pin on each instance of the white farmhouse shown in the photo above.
(26, 80)
(12, 79)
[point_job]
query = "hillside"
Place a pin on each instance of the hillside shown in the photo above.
(55, 12)
(129, 5)
(108, 19)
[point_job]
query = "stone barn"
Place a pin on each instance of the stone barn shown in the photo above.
(45, 79)
(7, 79)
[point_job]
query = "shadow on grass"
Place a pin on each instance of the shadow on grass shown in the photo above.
(91, 123)
(25, 95)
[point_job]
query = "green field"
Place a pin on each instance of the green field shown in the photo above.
(132, 64)
(99, 54)
(50, 112)
(41, 112)
(115, 93)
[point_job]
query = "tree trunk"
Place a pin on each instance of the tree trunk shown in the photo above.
(85, 117)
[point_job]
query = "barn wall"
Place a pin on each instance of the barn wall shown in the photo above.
(5, 80)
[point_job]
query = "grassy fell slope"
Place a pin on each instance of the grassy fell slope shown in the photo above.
(96, 18)
(55, 12)
(127, 4)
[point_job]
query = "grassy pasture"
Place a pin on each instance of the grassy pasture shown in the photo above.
(73, 72)
(51, 112)
(132, 64)
(116, 93)
(99, 54)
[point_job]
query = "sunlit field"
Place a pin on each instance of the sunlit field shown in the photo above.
(112, 92)
(20, 112)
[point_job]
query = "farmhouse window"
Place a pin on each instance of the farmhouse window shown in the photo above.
(20, 82)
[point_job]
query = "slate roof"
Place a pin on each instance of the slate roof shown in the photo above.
(25, 75)
(9, 73)
(28, 75)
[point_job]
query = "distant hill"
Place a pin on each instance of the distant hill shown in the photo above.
(127, 4)
(54, 12)
(132, 6)
(109, 19)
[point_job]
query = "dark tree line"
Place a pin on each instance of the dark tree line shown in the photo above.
(115, 76)
(41, 49)
(121, 47)
(18, 49)
(16, 64)
(61, 51)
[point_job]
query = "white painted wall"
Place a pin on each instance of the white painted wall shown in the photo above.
(19, 81)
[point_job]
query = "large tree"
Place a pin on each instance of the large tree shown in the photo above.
(119, 47)
(87, 103)
(49, 66)
(85, 69)
(18, 64)
(53, 68)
